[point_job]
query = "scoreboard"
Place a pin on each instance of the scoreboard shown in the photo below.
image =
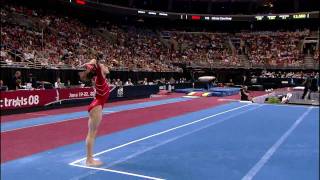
(192, 17)
(200, 17)
(284, 16)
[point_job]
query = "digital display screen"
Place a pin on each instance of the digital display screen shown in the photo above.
(283, 16)
(197, 17)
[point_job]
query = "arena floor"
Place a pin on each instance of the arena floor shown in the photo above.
(166, 138)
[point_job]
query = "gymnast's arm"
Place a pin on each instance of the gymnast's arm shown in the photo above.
(104, 69)
(83, 75)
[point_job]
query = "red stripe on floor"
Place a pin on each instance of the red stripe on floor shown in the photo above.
(23, 142)
(19, 143)
(24, 116)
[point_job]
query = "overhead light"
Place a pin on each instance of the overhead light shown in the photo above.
(152, 13)
(163, 14)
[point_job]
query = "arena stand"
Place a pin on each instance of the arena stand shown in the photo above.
(58, 42)
(235, 84)
(65, 42)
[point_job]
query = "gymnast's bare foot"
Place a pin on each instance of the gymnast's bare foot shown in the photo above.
(93, 163)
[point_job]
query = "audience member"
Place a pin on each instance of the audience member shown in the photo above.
(2, 86)
(145, 81)
(118, 82)
(13, 84)
(19, 84)
(58, 84)
(31, 81)
(307, 88)
(244, 94)
(128, 83)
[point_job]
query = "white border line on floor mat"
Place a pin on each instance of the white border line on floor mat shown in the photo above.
(159, 133)
(86, 116)
(74, 163)
(118, 172)
(49, 123)
(265, 158)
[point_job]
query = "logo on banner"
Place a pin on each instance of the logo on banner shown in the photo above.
(20, 101)
(120, 92)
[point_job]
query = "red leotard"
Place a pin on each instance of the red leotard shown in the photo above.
(102, 89)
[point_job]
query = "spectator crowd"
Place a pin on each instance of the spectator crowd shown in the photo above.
(54, 40)
(282, 74)
(274, 48)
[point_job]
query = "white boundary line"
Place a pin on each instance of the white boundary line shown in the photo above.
(44, 124)
(39, 114)
(226, 99)
(215, 122)
(265, 158)
(69, 119)
(118, 172)
(74, 163)
(159, 133)
(290, 105)
(106, 111)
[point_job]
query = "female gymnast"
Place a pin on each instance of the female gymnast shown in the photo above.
(97, 71)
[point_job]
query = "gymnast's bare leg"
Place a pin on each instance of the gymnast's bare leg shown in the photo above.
(95, 116)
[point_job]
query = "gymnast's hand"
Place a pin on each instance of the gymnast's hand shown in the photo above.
(91, 62)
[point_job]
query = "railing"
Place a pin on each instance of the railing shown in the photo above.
(17, 56)
(205, 66)
(14, 65)
(297, 67)
(252, 66)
